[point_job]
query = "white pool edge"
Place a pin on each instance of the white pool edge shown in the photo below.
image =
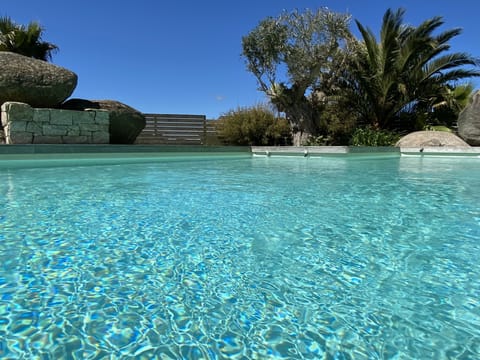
(355, 151)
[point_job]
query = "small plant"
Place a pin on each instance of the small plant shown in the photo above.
(369, 136)
(320, 140)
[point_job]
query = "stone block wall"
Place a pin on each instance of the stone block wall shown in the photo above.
(23, 124)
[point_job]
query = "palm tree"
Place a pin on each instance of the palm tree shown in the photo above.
(406, 71)
(446, 108)
(24, 40)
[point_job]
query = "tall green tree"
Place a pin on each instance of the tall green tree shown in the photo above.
(25, 40)
(407, 71)
(295, 55)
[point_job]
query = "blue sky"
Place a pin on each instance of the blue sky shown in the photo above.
(184, 56)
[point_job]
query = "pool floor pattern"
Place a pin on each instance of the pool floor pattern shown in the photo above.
(244, 259)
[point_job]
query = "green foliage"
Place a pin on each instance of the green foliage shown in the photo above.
(437, 128)
(405, 71)
(24, 40)
(320, 140)
(291, 55)
(337, 126)
(337, 122)
(328, 83)
(255, 125)
(446, 109)
(368, 136)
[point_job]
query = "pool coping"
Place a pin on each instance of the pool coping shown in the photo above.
(357, 151)
(36, 155)
(113, 148)
(61, 154)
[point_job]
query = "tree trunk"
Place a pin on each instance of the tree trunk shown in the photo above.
(300, 112)
(301, 118)
(300, 138)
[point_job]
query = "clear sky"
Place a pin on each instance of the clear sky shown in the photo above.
(184, 56)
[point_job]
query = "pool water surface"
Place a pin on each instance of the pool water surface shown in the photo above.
(257, 258)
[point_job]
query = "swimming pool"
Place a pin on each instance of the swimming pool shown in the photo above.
(244, 258)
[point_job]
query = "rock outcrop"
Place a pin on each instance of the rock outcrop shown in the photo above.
(469, 121)
(431, 138)
(34, 82)
(126, 123)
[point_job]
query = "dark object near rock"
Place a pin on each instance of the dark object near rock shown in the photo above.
(126, 123)
(34, 82)
(431, 138)
(469, 121)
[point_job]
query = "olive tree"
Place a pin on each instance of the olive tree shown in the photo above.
(296, 59)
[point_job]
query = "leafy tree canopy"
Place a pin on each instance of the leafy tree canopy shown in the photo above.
(292, 56)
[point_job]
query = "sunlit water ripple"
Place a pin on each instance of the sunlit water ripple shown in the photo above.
(243, 259)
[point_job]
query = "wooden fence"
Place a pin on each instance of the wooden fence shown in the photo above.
(176, 129)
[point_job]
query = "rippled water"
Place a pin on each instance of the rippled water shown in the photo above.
(262, 258)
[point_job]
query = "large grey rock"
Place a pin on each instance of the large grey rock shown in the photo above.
(126, 123)
(431, 138)
(469, 121)
(34, 82)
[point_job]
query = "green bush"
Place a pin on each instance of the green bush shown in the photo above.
(255, 125)
(368, 136)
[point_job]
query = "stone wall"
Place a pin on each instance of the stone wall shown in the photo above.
(23, 124)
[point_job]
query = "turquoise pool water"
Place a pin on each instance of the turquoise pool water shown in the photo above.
(258, 258)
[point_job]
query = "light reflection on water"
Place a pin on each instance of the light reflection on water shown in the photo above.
(242, 259)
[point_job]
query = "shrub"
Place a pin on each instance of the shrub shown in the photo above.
(337, 124)
(255, 125)
(368, 136)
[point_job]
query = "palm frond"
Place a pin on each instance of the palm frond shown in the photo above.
(448, 35)
(447, 62)
(24, 40)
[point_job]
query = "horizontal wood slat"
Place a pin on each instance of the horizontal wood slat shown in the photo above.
(174, 129)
